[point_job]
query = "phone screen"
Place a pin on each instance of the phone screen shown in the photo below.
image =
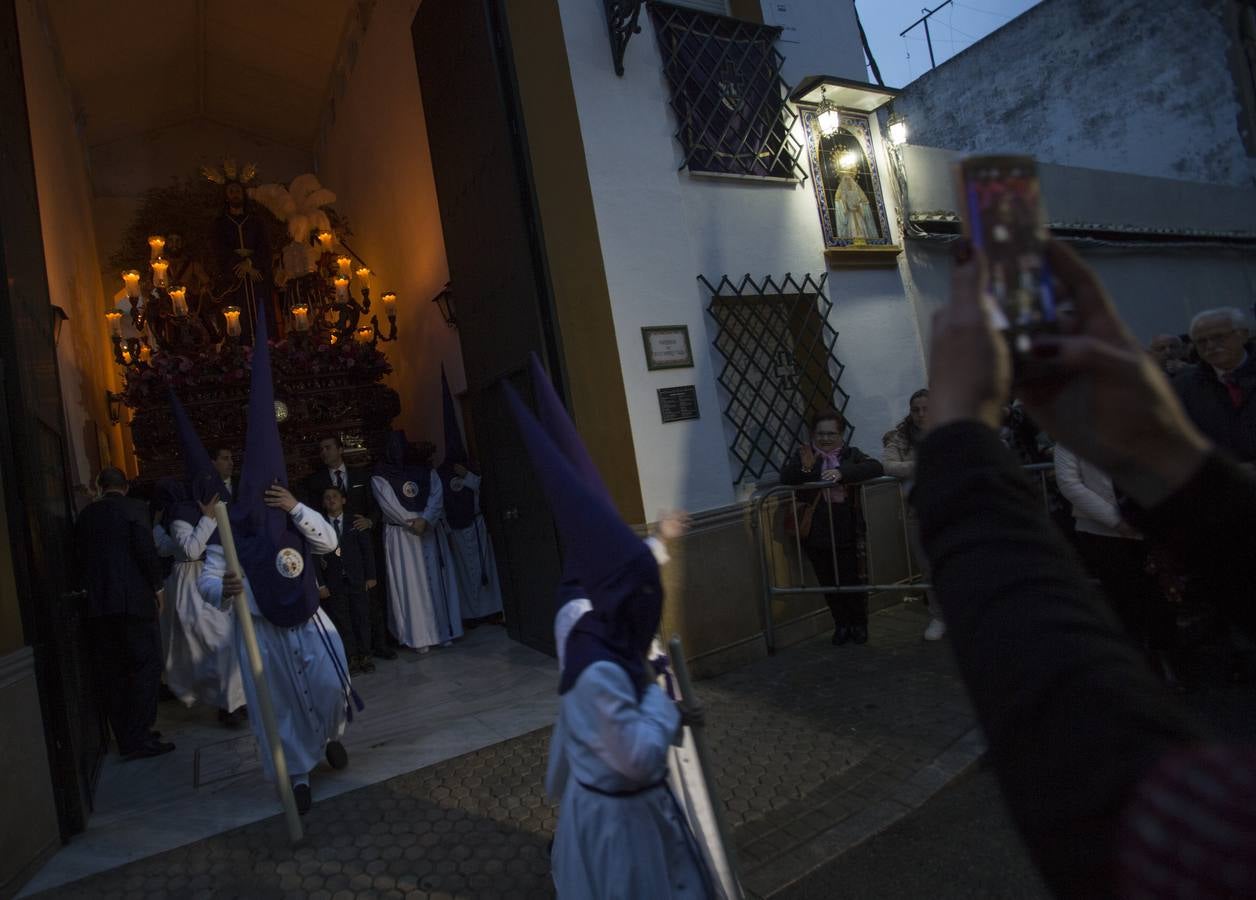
(1004, 219)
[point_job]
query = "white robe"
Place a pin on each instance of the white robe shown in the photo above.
(301, 663)
(423, 599)
(628, 846)
(196, 637)
(475, 566)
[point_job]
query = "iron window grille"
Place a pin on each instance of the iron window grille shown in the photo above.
(727, 94)
(780, 365)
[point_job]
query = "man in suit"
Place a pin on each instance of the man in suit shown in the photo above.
(224, 464)
(124, 596)
(363, 514)
(345, 578)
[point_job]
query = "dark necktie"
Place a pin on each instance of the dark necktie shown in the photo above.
(340, 479)
(336, 524)
(1235, 392)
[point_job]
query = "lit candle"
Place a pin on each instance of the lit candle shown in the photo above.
(364, 334)
(146, 353)
(301, 317)
(364, 277)
(179, 299)
(345, 264)
(114, 318)
(156, 244)
(160, 266)
(325, 240)
(131, 281)
(126, 356)
(232, 314)
(342, 288)
(389, 299)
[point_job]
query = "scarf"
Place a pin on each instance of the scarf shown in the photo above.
(828, 461)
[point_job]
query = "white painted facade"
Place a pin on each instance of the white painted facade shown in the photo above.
(660, 228)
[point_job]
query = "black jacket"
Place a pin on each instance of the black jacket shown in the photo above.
(361, 498)
(855, 466)
(120, 567)
(1072, 713)
(347, 570)
(1208, 403)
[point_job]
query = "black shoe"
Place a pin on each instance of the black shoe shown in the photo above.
(337, 755)
(301, 793)
(367, 665)
(859, 634)
(355, 665)
(841, 634)
(150, 748)
(384, 653)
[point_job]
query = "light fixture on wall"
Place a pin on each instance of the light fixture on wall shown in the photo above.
(113, 401)
(828, 118)
(445, 303)
(897, 130)
(59, 318)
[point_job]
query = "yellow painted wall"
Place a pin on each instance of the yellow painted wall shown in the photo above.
(573, 249)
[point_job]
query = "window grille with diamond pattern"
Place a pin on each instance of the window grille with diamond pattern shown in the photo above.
(779, 365)
(727, 93)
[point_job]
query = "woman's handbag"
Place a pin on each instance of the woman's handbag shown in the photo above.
(798, 515)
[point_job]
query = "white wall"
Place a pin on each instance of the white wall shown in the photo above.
(661, 228)
(377, 161)
(818, 37)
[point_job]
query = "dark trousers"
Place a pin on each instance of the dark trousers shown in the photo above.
(128, 667)
(350, 613)
(1120, 565)
(847, 609)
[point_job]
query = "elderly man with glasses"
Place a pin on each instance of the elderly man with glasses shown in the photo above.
(1220, 392)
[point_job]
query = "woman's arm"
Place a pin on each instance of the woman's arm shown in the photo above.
(860, 467)
(897, 459)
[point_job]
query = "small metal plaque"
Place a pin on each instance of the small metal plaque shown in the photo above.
(678, 403)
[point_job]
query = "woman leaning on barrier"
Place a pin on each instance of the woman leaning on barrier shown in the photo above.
(900, 444)
(827, 519)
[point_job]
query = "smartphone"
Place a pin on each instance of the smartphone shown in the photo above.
(1004, 218)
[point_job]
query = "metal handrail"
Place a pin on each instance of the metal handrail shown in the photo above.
(759, 501)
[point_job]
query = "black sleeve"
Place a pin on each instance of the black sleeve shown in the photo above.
(860, 467)
(793, 472)
(367, 549)
(143, 548)
(1212, 521)
(1072, 714)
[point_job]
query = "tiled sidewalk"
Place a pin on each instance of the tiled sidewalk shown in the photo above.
(816, 749)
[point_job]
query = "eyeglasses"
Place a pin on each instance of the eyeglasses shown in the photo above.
(827, 434)
(1220, 337)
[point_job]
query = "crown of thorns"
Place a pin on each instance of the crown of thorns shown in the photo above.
(230, 172)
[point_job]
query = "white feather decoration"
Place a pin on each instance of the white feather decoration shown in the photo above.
(299, 204)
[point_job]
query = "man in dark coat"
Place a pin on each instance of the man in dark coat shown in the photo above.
(363, 513)
(345, 578)
(1220, 393)
(122, 575)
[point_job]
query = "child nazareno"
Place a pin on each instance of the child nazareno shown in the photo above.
(345, 577)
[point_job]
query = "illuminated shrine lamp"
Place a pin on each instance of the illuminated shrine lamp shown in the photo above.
(156, 244)
(326, 240)
(364, 334)
(114, 318)
(146, 353)
(232, 315)
(828, 118)
(345, 264)
(131, 281)
(897, 130)
(160, 267)
(342, 287)
(389, 301)
(301, 317)
(848, 161)
(178, 299)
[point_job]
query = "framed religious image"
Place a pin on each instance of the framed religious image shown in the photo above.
(848, 192)
(667, 347)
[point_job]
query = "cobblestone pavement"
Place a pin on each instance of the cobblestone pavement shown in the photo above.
(816, 749)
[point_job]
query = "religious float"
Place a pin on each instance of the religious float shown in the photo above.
(197, 265)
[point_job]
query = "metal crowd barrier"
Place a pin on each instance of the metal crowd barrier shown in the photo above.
(887, 542)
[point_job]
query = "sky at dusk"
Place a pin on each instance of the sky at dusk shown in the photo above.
(959, 25)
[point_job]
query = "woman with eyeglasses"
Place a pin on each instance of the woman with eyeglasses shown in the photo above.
(827, 520)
